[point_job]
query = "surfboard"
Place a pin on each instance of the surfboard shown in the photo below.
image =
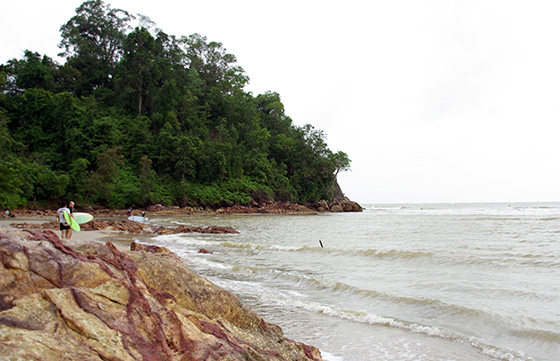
(138, 218)
(82, 217)
(72, 222)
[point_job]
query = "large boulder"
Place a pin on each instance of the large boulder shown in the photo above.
(96, 302)
(337, 208)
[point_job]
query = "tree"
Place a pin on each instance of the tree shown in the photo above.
(272, 110)
(78, 179)
(32, 72)
(138, 65)
(12, 180)
(216, 67)
(92, 41)
(101, 183)
(147, 179)
(341, 163)
(12, 183)
(171, 84)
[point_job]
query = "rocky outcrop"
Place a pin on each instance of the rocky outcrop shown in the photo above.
(344, 205)
(100, 303)
(341, 204)
(272, 207)
(130, 227)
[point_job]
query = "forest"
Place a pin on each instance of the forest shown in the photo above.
(135, 117)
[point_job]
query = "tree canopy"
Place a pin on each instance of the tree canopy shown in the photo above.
(135, 117)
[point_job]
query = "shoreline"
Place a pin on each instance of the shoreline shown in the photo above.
(265, 208)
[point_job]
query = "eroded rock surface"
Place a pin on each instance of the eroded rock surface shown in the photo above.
(130, 227)
(98, 303)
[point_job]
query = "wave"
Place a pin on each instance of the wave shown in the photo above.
(229, 244)
(470, 209)
(365, 317)
(343, 288)
(497, 259)
(392, 253)
(542, 335)
(257, 246)
(330, 357)
(376, 253)
(383, 208)
(294, 300)
(508, 259)
(259, 288)
(498, 352)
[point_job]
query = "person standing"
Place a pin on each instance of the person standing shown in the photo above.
(71, 209)
(64, 226)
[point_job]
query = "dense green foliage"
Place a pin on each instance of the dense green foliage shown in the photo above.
(136, 117)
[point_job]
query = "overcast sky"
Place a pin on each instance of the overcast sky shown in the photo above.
(433, 101)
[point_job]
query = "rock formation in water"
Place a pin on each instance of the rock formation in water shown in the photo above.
(95, 302)
(337, 205)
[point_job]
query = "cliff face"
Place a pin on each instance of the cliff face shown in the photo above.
(98, 303)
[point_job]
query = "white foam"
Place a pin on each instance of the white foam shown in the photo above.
(498, 209)
(366, 317)
(499, 353)
(330, 357)
(241, 287)
(203, 261)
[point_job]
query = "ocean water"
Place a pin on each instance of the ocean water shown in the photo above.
(396, 282)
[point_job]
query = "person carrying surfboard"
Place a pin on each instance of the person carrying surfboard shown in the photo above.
(71, 211)
(64, 226)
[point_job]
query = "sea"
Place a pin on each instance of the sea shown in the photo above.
(396, 281)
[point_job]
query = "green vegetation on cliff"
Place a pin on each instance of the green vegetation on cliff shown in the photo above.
(136, 117)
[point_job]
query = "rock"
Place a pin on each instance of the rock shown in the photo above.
(323, 206)
(130, 227)
(356, 207)
(337, 208)
(156, 208)
(274, 207)
(345, 205)
(339, 204)
(187, 229)
(60, 303)
(148, 248)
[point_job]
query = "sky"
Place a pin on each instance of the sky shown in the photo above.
(433, 101)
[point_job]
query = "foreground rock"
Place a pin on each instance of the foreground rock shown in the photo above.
(97, 303)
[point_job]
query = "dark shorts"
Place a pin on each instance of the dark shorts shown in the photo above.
(63, 227)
